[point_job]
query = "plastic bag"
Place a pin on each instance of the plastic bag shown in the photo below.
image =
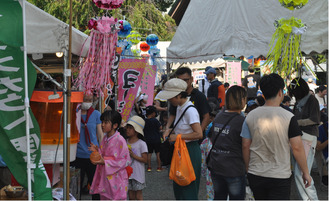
(181, 170)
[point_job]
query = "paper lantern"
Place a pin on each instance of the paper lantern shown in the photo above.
(134, 37)
(144, 47)
(125, 28)
(152, 39)
(108, 4)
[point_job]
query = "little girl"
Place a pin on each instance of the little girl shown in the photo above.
(111, 178)
(138, 152)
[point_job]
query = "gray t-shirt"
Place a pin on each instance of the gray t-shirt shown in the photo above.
(226, 157)
(270, 129)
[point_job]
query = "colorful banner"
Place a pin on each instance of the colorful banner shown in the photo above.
(13, 148)
(148, 83)
(130, 74)
(233, 72)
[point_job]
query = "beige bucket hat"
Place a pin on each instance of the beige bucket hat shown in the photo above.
(138, 123)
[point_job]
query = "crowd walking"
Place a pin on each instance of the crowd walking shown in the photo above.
(242, 141)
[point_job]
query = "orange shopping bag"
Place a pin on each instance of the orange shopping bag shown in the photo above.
(181, 169)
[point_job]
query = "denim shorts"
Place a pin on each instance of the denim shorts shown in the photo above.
(134, 185)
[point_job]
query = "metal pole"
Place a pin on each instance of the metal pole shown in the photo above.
(65, 133)
(327, 78)
(27, 114)
(67, 105)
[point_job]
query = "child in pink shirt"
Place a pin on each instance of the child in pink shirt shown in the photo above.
(111, 178)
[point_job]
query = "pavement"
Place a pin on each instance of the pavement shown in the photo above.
(159, 187)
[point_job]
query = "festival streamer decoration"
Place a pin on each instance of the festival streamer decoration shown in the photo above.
(108, 4)
(285, 53)
(95, 70)
(293, 4)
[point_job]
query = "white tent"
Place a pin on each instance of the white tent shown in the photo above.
(47, 34)
(212, 28)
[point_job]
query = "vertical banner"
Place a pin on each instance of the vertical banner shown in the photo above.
(233, 73)
(13, 148)
(148, 82)
(130, 73)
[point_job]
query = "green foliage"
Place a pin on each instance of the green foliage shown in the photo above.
(320, 58)
(145, 16)
(163, 5)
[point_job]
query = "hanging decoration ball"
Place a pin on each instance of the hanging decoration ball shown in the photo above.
(152, 39)
(108, 4)
(92, 24)
(125, 28)
(134, 37)
(293, 4)
(144, 47)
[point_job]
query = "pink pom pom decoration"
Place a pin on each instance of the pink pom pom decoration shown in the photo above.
(108, 4)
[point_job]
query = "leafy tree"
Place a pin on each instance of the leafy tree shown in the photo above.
(143, 15)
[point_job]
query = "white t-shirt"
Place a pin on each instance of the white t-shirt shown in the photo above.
(138, 148)
(206, 86)
(191, 116)
(321, 100)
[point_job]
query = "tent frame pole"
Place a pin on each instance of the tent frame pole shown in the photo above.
(67, 107)
(27, 106)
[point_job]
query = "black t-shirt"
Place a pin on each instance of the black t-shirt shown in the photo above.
(152, 131)
(310, 110)
(200, 102)
(294, 129)
(251, 83)
(226, 158)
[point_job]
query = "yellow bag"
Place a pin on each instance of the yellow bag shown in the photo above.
(181, 169)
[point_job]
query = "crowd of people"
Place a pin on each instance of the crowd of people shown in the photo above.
(235, 135)
(260, 134)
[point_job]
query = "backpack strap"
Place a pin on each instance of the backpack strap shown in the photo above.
(203, 83)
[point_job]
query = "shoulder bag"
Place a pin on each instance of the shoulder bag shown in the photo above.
(166, 148)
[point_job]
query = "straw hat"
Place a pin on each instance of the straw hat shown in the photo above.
(172, 88)
(138, 123)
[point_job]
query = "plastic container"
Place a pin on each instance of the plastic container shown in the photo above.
(48, 114)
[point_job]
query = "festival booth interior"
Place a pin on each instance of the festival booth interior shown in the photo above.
(47, 35)
(213, 28)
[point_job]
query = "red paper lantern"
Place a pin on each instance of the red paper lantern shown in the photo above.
(144, 47)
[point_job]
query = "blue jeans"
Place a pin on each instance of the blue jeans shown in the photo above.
(234, 187)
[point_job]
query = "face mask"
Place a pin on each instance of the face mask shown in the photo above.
(86, 106)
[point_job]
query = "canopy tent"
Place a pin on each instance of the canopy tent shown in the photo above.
(212, 28)
(217, 63)
(47, 34)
